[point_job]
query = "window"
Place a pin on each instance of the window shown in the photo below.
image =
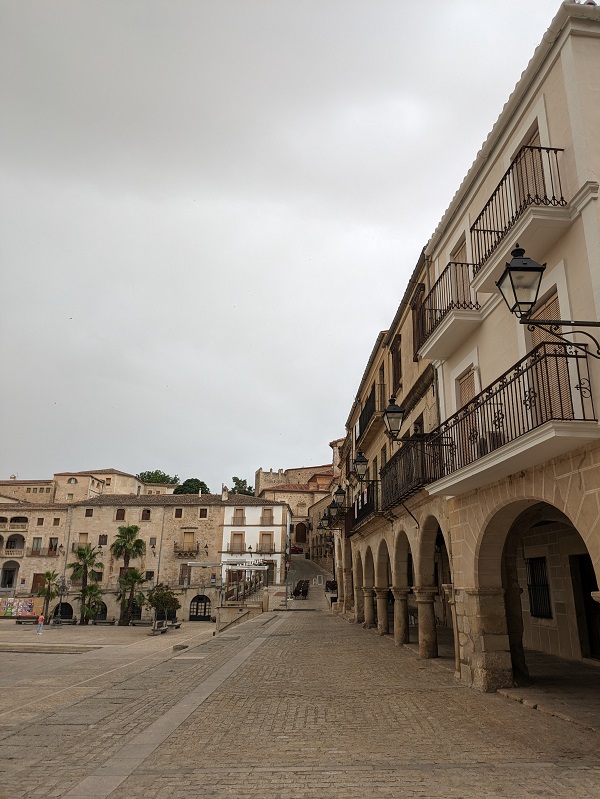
(102, 540)
(120, 514)
(146, 515)
(40, 522)
(149, 492)
(383, 455)
(266, 542)
(55, 522)
(153, 542)
(267, 516)
(237, 543)
(189, 540)
(149, 575)
(89, 512)
(38, 582)
(416, 306)
(35, 490)
(47, 491)
(97, 576)
(36, 546)
(83, 539)
(72, 481)
(185, 574)
(178, 513)
(69, 497)
(538, 588)
(203, 513)
(29, 490)
(239, 516)
(396, 351)
(108, 481)
(53, 546)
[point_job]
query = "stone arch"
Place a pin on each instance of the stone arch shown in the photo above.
(383, 570)
(9, 574)
(300, 533)
(383, 585)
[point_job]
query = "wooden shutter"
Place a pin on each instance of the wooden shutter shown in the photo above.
(551, 376)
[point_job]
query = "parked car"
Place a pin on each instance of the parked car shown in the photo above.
(296, 550)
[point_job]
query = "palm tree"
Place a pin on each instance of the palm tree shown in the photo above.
(49, 591)
(128, 594)
(127, 545)
(84, 568)
(91, 601)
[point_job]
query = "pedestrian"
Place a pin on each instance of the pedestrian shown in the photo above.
(40, 623)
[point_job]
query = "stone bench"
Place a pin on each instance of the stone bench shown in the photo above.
(160, 626)
(103, 621)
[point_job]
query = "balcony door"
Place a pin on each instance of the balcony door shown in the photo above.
(551, 390)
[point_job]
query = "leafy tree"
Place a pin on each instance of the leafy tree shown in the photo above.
(157, 476)
(90, 599)
(192, 486)
(127, 545)
(129, 593)
(85, 567)
(49, 591)
(241, 487)
(163, 600)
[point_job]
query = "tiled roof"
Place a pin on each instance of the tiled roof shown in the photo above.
(302, 487)
(94, 472)
(14, 499)
(32, 507)
(144, 500)
(23, 482)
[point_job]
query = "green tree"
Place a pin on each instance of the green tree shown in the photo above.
(192, 486)
(129, 593)
(49, 590)
(157, 476)
(85, 568)
(127, 545)
(90, 600)
(163, 600)
(241, 487)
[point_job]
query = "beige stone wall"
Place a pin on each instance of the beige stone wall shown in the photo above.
(35, 491)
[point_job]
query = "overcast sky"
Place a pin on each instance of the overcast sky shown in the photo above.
(209, 209)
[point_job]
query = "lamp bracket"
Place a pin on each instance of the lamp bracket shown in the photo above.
(553, 327)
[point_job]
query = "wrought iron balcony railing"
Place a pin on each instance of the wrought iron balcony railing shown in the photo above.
(406, 472)
(551, 383)
(367, 502)
(375, 402)
(451, 291)
(533, 178)
(182, 550)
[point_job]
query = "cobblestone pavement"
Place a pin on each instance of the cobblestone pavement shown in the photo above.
(292, 705)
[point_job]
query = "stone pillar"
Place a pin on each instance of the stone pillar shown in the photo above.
(428, 646)
(595, 596)
(369, 608)
(486, 661)
(514, 619)
(359, 605)
(348, 591)
(400, 616)
(449, 592)
(383, 622)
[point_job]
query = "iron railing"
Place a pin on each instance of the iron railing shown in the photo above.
(551, 383)
(193, 548)
(533, 178)
(367, 501)
(452, 290)
(406, 472)
(376, 401)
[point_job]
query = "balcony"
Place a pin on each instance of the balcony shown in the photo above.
(371, 415)
(366, 503)
(12, 553)
(186, 550)
(17, 526)
(236, 549)
(407, 472)
(267, 520)
(527, 206)
(266, 549)
(539, 409)
(449, 312)
(42, 553)
(239, 520)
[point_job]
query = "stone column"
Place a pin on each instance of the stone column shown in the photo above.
(359, 605)
(595, 596)
(485, 653)
(348, 591)
(369, 608)
(428, 645)
(383, 622)
(400, 616)
(448, 589)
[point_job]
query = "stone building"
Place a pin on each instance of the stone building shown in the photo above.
(178, 529)
(300, 488)
(480, 522)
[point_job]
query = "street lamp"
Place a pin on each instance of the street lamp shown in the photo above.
(339, 496)
(393, 416)
(520, 284)
(360, 465)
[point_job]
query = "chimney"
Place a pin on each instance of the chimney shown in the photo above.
(224, 493)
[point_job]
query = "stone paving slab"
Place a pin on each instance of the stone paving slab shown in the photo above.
(293, 705)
